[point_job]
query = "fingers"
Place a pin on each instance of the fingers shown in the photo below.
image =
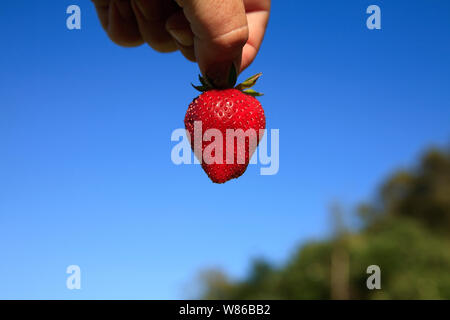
(178, 27)
(102, 7)
(220, 32)
(119, 22)
(257, 17)
(216, 34)
(133, 22)
(151, 16)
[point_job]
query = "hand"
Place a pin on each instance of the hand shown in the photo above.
(214, 33)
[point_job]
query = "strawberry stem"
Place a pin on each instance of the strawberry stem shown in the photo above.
(244, 87)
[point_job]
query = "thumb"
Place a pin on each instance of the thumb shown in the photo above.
(220, 32)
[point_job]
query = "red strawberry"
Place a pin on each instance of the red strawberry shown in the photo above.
(225, 109)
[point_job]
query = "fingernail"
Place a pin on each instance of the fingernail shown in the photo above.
(183, 36)
(125, 9)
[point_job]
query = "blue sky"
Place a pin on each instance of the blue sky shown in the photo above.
(85, 170)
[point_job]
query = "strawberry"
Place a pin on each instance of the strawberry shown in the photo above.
(213, 120)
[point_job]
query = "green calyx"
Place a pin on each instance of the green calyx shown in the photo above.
(244, 87)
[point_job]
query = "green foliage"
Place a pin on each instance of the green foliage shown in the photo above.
(406, 233)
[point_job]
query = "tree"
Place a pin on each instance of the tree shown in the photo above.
(406, 232)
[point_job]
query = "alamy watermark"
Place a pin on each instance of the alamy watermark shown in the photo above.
(74, 280)
(374, 280)
(211, 147)
(374, 20)
(73, 22)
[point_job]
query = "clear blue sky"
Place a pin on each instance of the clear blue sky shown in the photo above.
(85, 170)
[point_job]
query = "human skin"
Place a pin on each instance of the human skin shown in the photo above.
(213, 33)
